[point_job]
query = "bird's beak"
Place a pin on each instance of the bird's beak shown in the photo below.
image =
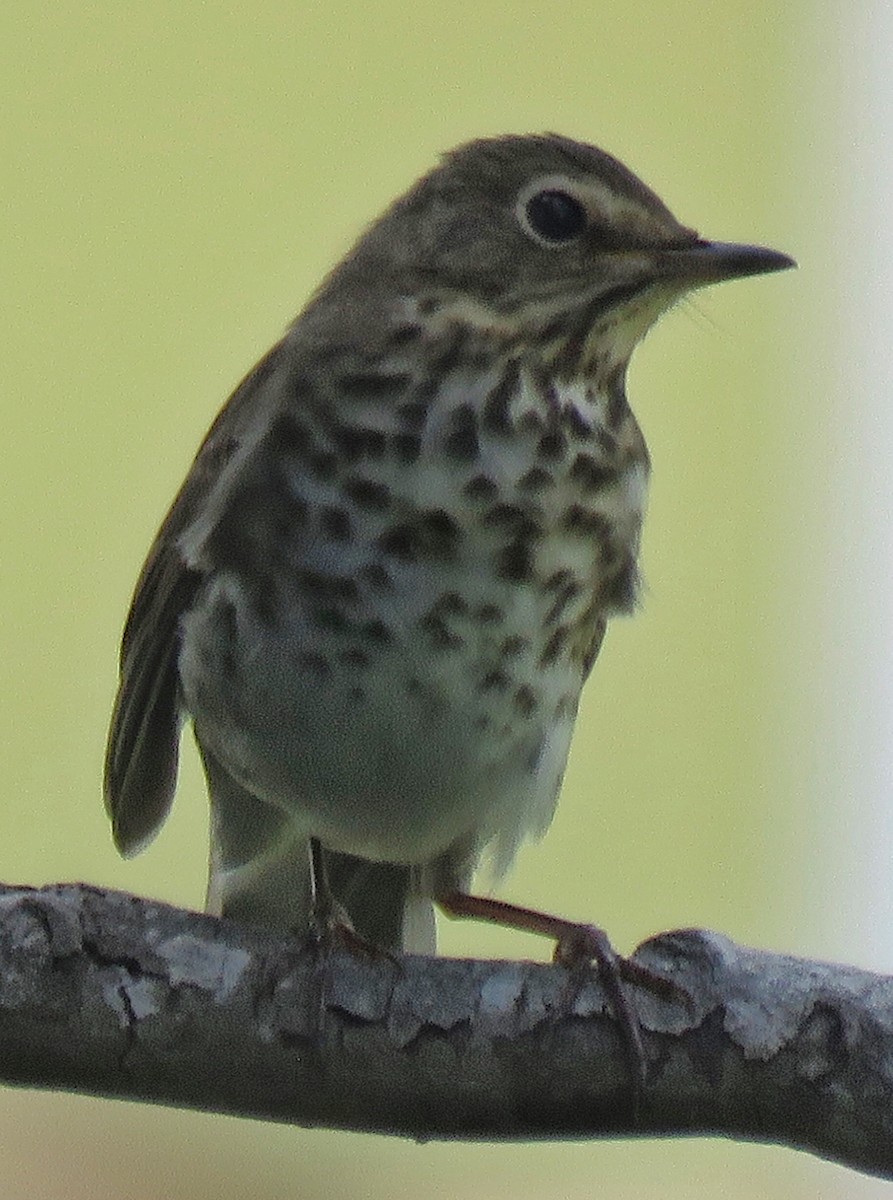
(700, 262)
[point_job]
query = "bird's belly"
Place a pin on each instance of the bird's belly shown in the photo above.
(394, 750)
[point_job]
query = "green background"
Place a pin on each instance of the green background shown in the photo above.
(177, 177)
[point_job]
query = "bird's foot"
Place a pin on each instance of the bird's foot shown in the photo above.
(577, 946)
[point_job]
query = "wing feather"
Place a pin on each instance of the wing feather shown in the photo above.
(143, 744)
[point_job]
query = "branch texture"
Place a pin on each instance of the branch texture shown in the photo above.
(106, 993)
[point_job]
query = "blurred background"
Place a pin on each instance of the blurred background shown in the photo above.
(177, 177)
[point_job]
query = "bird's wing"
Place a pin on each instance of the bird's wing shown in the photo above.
(143, 745)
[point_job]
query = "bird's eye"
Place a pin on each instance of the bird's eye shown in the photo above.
(555, 216)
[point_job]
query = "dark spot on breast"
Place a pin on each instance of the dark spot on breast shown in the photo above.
(335, 523)
(375, 631)
(480, 488)
(438, 534)
(438, 633)
(290, 434)
(323, 464)
(400, 542)
(495, 681)
(403, 335)
(514, 562)
(576, 424)
(516, 522)
(537, 479)
(530, 423)
(617, 409)
(554, 646)
(319, 586)
(557, 580)
(286, 513)
(291, 437)
(461, 442)
(354, 443)
(544, 383)
(489, 614)
(552, 445)
(524, 701)
(367, 493)
(495, 417)
(569, 592)
(554, 330)
(513, 646)
(449, 352)
(590, 474)
(582, 521)
(332, 619)
(451, 604)
(426, 389)
(407, 447)
(501, 515)
(606, 441)
(620, 592)
(413, 413)
(372, 385)
(376, 576)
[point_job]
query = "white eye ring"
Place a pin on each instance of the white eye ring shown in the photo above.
(551, 213)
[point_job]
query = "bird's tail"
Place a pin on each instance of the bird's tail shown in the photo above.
(384, 903)
(260, 874)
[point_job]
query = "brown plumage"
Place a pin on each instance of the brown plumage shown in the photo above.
(387, 576)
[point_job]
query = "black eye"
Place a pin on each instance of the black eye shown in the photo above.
(555, 216)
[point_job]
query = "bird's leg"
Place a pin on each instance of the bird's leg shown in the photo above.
(329, 924)
(329, 920)
(578, 945)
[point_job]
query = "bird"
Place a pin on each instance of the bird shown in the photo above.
(387, 576)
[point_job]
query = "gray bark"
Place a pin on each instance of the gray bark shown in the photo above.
(106, 993)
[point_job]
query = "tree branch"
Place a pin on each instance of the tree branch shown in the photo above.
(110, 994)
